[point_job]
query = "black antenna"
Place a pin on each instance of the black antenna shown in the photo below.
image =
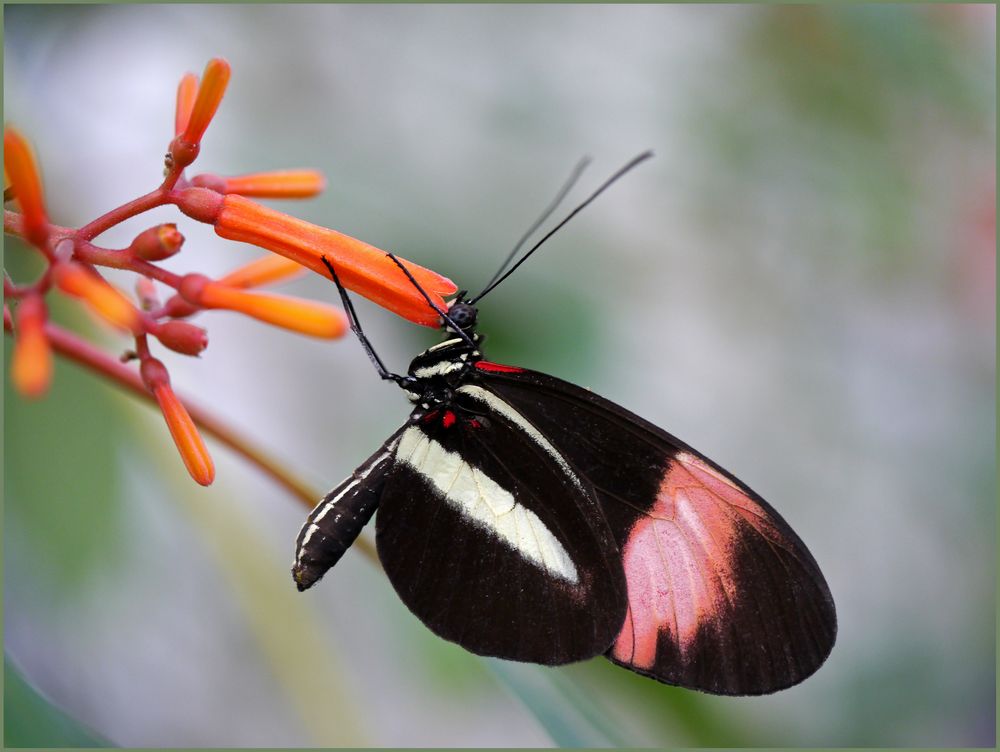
(567, 186)
(635, 161)
(440, 311)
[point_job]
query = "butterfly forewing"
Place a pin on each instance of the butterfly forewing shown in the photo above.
(494, 543)
(723, 595)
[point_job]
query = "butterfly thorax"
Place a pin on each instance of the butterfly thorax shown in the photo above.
(438, 372)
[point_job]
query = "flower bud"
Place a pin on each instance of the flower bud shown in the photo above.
(157, 243)
(31, 362)
(182, 337)
(145, 290)
(184, 148)
(20, 167)
(303, 316)
(273, 184)
(185, 434)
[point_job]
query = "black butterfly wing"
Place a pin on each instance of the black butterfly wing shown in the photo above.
(494, 543)
(723, 595)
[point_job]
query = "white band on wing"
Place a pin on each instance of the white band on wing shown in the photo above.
(483, 501)
(497, 404)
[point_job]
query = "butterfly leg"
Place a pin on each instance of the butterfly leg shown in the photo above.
(352, 317)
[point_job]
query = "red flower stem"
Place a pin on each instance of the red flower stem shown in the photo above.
(172, 178)
(122, 259)
(126, 211)
(70, 346)
(142, 349)
(13, 224)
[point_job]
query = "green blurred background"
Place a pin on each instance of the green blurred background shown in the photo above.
(801, 285)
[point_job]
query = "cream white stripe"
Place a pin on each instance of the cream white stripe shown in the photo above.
(327, 505)
(483, 501)
(438, 369)
(498, 405)
(441, 345)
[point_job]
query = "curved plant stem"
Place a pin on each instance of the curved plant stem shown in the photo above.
(137, 206)
(72, 347)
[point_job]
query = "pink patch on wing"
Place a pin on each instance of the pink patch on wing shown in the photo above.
(679, 559)
(485, 365)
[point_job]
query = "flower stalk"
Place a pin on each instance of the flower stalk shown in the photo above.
(165, 299)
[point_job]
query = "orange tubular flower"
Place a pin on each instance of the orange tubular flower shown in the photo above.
(360, 266)
(189, 443)
(214, 80)
(263, 271)
(31, 363)
(275, 184)
(303, 316)
(187, 91)
(73, 279)
(19, 164)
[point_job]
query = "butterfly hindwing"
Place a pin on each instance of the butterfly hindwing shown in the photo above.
(494, 543)
(723, 595)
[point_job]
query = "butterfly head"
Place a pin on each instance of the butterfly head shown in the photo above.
(462, 313)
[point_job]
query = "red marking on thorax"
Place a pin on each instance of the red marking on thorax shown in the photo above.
(485, 365)
(449, 419)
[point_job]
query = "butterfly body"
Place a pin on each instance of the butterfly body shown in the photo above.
(527, 518)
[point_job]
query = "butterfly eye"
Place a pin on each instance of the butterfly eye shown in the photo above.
(463, 314)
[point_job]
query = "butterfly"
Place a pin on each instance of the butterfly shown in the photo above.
(527, 518)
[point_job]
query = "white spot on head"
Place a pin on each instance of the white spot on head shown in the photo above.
(484, 502)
